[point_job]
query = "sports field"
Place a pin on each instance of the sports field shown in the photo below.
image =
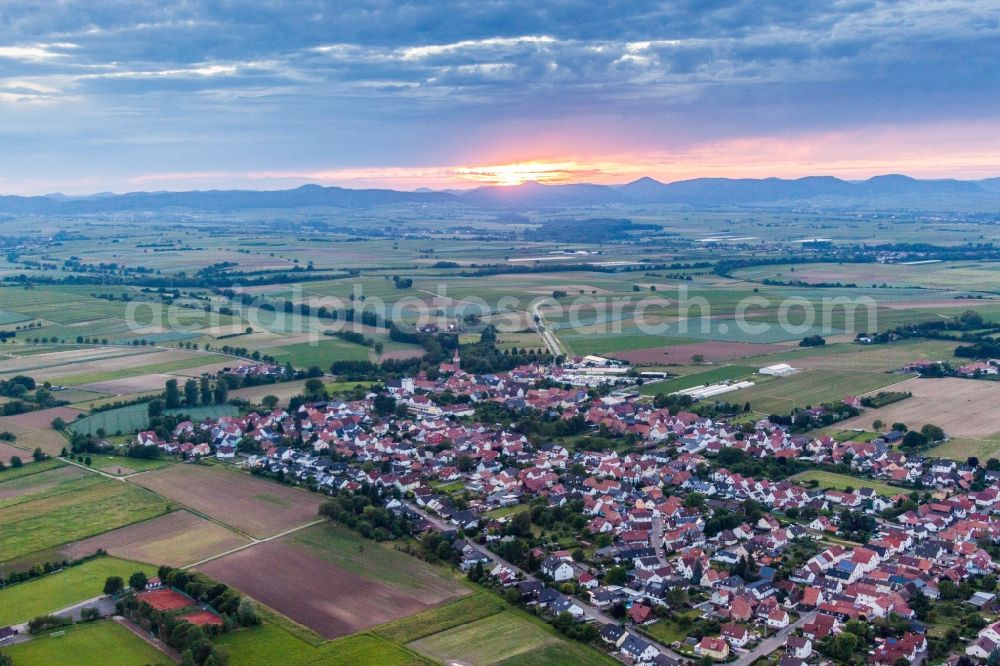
(95, 644)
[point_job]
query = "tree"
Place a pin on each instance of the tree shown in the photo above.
(191, 392)
(114, 585)
(171, 395)
(270, 401)
(154, 408)
(877, 424)
(15, 461)
(221, 393)
(913, 440)
(616, 576)
(205, 388)
(38, 455)
(246, 613)
(137, 581)
(932, 432)
(315, 389)
(58, 423)
(698, 359)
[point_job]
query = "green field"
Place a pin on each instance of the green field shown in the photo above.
(23, 601)
(719, 374)
(810, 388)
(111, 463)
(502, 637)
(12, 473)
(843, 481)
(440, 619)
(96, 644)
(45, 484)
(136, 417)
(57, 519)
(270, 644)
(321, 353)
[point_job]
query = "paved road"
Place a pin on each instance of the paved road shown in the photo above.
(775, 642)
(549, 338)
(657, 537)
(589, 611)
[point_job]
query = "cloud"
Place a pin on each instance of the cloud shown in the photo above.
(314, 84)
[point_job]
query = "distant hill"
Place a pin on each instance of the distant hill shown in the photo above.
(527, 196)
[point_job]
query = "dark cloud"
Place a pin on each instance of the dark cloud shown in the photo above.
(356, 80)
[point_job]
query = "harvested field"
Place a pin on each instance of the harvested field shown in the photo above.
(165, 599)
(25, 364)
(711, 352)
(965, 408)
(252, 505)
(310, 590)
(284, 391)
(402, 354)
(176, 539)
(142, 383)
(40, 419)
(58, 374)
(8, 451)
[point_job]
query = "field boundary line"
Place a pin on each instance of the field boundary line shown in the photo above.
(254, 542)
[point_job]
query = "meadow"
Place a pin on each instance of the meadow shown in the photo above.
(836, 481)
(38, 596)
(38, 524)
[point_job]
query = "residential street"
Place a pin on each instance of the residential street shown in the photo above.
(769, 645)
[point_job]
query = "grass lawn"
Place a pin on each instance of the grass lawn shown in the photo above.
(509, 637)
(69, 516)
(95, 644)
(380, 562)
(842, 481)
(111, 463)
(440, 619)
(667, 631)
(712, 376)
(23, 601)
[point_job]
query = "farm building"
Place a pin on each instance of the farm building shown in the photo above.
(777, 370)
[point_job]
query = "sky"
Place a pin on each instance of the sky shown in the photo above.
(125, 96)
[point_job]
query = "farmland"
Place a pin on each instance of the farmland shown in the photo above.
(962, 407)
(811, 387)
(253, 506)
(95, 644)
(135, 418)
(355, 584)
(51, 520)
(21, 602)
(176, 539)
(504, 637)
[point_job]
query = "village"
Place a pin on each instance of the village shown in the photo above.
(660, 546)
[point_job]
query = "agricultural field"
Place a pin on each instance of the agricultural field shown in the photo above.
(134, 418)
(702, 378)
(842, 482)
(271, 644)
(961, 449)
(95, 644)
(52, 592)
(507, 637)
(251, 505)
(50, 520)
(176, 539)
(811, 388)
(333, 593)
(964, 408)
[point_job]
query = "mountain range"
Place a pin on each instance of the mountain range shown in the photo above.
(697, 192)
